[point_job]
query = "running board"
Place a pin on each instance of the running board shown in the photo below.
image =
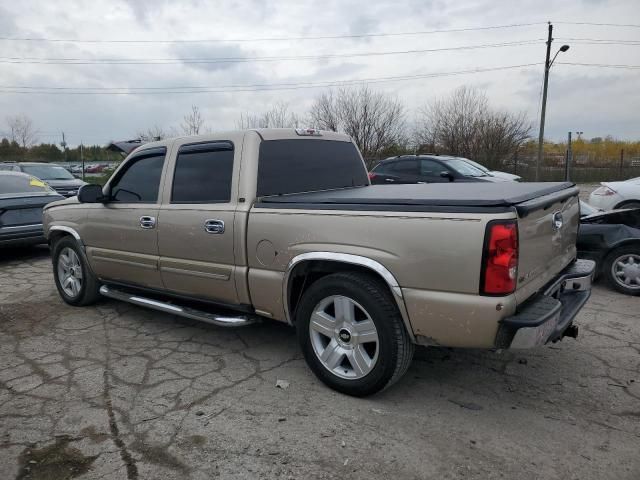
(192, 313)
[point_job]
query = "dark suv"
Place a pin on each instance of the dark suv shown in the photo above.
(56, 176)
(427, 169)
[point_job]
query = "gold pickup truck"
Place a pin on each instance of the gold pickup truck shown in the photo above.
(282, 224)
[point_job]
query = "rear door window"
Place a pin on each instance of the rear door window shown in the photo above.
(303, 165)
(406, 167)
(203, 173)
(140, 181)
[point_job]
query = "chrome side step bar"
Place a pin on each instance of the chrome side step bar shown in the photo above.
(202, 316)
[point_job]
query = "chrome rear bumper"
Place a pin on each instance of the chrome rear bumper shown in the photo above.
(548, 316)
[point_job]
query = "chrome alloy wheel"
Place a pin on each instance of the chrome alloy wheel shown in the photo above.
(626, 270)
(69, 272)
(344, 337)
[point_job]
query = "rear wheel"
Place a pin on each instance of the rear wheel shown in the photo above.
(352, 335)
(74, 280)
(622, 269)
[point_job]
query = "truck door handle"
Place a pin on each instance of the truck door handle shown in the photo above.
(389, 180)
(214, 226)
(147, 222)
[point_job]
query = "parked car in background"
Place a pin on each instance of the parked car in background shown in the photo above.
(495, 173)
(614, 195)
(22, 198)
(76, 170)
(612, 239)
(58, 178)
(94, 168)
(281, 223)
(427, 169)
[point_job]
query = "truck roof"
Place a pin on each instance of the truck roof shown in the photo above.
(264, 133)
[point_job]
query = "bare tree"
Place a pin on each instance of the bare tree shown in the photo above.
(325, 112)
(154, 133)
(464, 125)
(192, 123)
(374, 120)
(22, 130)
(278, 116)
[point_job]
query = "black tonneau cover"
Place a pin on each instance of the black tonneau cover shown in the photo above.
(452, 197)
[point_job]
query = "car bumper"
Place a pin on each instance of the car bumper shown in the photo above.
(605, 202)
(549, 315)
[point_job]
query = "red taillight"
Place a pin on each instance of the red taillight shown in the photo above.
(500, 258)
(372, 175)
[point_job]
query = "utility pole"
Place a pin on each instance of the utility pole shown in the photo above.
(621, 162)
(543, 111)
(567, 165)
(63, 144)
(82, 158)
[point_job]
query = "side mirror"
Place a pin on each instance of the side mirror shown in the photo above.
(446, 174)
(90, 194)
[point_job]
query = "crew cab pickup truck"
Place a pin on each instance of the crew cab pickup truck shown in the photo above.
(231, 228)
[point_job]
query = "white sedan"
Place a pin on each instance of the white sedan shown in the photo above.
(613, 195)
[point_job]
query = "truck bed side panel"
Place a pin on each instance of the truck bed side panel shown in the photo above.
(436, 252)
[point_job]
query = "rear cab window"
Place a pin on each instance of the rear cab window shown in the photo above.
(12, 185)
(302, 165)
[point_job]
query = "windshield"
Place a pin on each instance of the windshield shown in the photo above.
(48, 172)
(22, 184)
(477, 165)
(465, 168)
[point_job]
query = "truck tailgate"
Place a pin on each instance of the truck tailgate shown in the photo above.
(547, 231)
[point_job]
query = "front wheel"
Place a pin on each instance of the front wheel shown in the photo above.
(622, 269)
(352, 335)
(74, 279)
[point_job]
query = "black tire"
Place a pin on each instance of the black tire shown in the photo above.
(88, 293)
(615, 256)
(394, 347)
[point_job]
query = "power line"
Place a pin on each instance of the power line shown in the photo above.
(601, 65)
(596, 41)
(275, 39)
(184, 89)
(629, 25)
(172, 61)
(238, 88)
(616, 40)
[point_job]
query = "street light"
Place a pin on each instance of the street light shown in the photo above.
(547, 67)
(562, 49)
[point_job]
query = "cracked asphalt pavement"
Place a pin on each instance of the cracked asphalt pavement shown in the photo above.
(118, 392)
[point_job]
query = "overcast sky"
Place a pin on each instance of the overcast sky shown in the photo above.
(598, 101)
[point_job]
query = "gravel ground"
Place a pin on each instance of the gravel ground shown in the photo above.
(117, 392)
